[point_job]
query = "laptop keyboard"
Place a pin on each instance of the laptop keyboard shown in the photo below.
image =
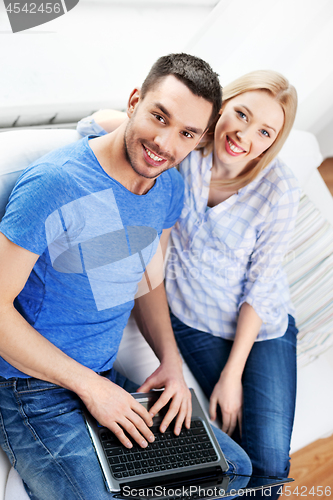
(168, 452)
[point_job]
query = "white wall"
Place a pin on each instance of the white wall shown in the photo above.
(94, 55)
(324, 134)
(294, 37)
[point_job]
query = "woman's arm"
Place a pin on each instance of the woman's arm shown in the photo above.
(228, 392)
(109, 119)
(258, 304)
(101, 122)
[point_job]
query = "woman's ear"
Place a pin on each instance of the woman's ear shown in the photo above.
(133, 100)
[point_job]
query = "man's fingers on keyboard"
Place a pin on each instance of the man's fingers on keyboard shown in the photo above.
(131, 429)
(184, 415)
(174, 409)
(119, 433)
(142, 412)
(160, 403)
(140, 427)
(189, 414)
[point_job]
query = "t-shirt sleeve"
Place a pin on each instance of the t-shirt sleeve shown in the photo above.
(177, 198)
(88, 126)
(39, 192)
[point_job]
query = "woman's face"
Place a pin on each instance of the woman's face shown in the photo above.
(249, 125)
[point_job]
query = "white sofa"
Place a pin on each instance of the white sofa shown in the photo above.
(314, 408)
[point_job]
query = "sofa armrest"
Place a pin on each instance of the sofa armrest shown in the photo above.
(314, 405)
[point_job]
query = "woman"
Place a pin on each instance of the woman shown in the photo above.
(229, 298)
(230, 303)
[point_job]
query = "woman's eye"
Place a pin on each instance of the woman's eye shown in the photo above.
(265, 133)
(241, 114)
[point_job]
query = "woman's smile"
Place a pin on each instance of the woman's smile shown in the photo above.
(232, 147)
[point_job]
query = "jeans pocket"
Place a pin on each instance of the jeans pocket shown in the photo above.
(33, 385)
(43, 400)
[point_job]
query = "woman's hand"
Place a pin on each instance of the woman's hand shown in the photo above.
(228, 394)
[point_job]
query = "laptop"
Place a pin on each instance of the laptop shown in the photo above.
(189, 465)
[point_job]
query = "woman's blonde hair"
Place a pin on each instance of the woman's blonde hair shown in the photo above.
(285, 94)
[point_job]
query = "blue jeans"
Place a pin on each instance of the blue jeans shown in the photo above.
(44, 435)
(269, 389)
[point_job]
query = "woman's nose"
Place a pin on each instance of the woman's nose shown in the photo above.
(243, 134)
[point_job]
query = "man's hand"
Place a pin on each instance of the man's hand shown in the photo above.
(117, 410)
(170, 376)
(228, 394)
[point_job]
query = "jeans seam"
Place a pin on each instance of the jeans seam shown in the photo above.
(202, 374)
(13, 459)
(234, 471)
(38, 439)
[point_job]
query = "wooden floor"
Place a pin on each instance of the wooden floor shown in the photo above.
(312, 467)
(326, 171)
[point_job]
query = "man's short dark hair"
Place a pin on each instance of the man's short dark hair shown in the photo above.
(195, 73)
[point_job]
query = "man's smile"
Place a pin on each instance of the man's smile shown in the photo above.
(153, 155)
(152, 158)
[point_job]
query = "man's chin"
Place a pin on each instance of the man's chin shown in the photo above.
(150, 175)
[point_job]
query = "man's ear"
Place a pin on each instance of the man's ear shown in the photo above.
(133, 100)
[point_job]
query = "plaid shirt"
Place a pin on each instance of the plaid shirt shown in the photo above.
(224, 256)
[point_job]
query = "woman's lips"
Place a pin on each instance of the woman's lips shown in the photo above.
(232, 148)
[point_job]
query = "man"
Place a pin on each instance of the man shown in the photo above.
(79, 241)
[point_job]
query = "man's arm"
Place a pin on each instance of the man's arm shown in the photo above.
(28, 351)
(152, 315)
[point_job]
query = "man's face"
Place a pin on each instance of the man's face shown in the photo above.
(164, 127)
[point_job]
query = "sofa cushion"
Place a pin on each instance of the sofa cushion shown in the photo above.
(309, 266)
(19, 148)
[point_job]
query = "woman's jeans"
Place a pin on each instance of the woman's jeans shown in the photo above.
(44, 435)
(269, 389)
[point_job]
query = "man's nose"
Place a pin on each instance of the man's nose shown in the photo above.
(166, 141)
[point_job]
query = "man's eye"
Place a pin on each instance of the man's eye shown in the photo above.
(187, 134)
(159, 118)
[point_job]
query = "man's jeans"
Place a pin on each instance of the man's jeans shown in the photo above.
(269, 390)
(42, 430)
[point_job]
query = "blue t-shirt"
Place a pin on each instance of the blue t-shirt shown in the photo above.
(94, 239)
